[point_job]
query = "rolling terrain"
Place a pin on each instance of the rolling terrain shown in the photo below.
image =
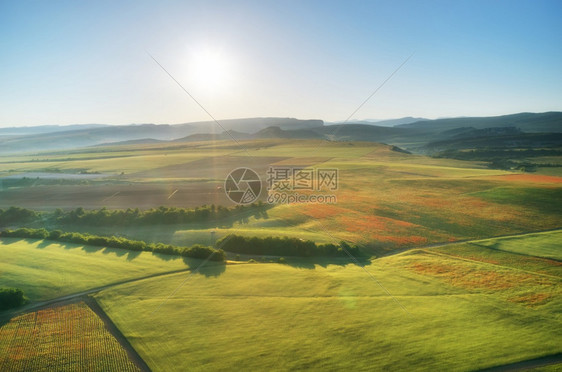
(413, 135)
(459, 265)
(335, 316)
(418, 306)
(386, 199)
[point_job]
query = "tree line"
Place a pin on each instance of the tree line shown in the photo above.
(135, 217)
(195, 251)
(276, 246)
(161, 215)
(505, 158)
(17, 215)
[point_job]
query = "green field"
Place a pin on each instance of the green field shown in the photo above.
(455, 306)
(346, 186)
(548, 245)
(461, 313)
(45, 269)
(385, 199)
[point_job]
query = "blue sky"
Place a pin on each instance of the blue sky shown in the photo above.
(65, 62)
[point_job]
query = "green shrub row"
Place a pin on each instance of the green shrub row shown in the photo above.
(17, 215)
(195, 251)
(276, 246)
(161, 215)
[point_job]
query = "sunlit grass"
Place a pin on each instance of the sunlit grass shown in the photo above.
(299, 316)
(548, 245)
(385, 199)
(44, 269)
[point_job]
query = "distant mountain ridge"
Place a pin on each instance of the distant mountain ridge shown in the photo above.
(384, 122)
(22, 131)
(412, 136)
(504, 141)
(79, 136)
(525, 121)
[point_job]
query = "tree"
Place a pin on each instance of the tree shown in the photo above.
(10, 298)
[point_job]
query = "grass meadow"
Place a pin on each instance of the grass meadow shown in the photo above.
(441, 289)
(46, 270)
(460, 314)
(545, 245)
(386, 199)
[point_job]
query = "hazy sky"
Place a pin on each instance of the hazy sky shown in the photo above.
(64, 62)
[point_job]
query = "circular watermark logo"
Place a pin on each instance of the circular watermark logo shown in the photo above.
(242, 186)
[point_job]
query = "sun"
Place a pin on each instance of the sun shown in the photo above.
(208, 68)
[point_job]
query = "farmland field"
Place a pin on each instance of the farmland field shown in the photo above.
(447, 308)
(46, 269)
(454, 306)
(64, 338)
(385, 199)
(541, 245)
(281, 186)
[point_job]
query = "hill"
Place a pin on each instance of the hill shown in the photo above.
(384, 122)
(365, 132)
(20, 131)
(277, 132)
(527, 122)
(81, 137)
(142, 141)
(437, 293)
(226, 135)
(489, 138)
(413, 136)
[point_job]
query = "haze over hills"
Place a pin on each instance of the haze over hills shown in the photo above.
(527, 122)
(52, 138)
(491, 139)
(383, 122)
(26, 130)
(426, 131)
(415, 136)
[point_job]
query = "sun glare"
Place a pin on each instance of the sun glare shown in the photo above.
(208, 68)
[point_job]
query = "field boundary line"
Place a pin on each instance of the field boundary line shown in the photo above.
(46, 303)
(516, 253)
(546, 360)
(483, 263)
(34, 306)
(40, 304)
(444, 244)
(112, 328)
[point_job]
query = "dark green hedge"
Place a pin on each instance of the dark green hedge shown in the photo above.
(10, 298)
(276, 246)
(161, 215)
(17, 215)
(195, 251)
